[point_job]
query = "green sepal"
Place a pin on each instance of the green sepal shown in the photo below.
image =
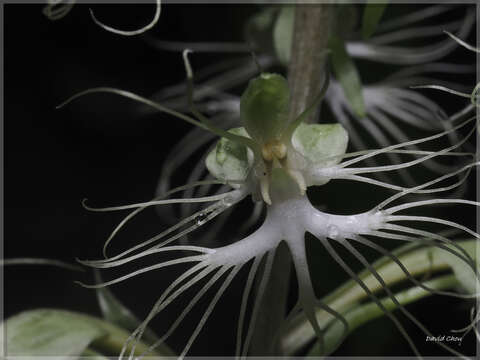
(372, 14)
(347, 74)
(323, 144)
(230, 160)
(264, 107)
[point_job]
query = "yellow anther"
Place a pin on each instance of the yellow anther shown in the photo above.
(279, 150)
(273, 149)
(267, 153)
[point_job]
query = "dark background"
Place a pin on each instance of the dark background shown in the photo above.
(99, 147)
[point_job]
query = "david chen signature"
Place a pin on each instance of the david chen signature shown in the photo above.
(443, 338)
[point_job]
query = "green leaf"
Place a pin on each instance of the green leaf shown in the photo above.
(347, 74)
(65, 335)
(93, 355)
(463, 272)
(47, 332)
(116, 313)
(372, 15)
(283, 34)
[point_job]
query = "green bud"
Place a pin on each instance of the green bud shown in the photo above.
(264, 107)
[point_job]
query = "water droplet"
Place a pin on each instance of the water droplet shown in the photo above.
(333, 231)
(201, 219)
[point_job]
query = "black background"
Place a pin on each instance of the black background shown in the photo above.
(99, 147)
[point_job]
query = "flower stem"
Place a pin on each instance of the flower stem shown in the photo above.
(370, 311)
(427, 261)
(305, 72)
(274, 305)
(308, 55)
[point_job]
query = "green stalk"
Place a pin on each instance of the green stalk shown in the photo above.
(308, 56)
(112, 343)
(274, 304)
(370, 311)
(428, 260)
